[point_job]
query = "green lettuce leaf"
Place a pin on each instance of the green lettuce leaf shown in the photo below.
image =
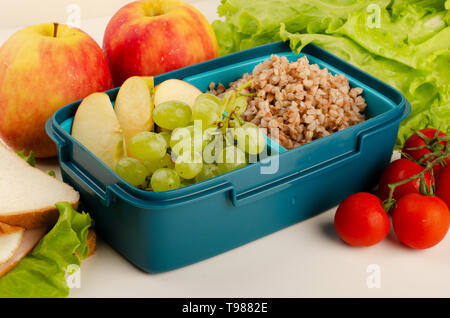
(404, 43)
(41, 274)
(28, 158)
(250, 23)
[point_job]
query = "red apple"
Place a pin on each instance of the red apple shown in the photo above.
(43, 68)
(151, 37)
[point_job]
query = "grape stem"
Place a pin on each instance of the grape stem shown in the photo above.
(234, 114)
(244, 86)
(232, 117)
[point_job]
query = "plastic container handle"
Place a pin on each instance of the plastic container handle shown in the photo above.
(58, 140)
(114, 191)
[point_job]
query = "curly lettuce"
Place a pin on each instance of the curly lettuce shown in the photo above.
(404, 43)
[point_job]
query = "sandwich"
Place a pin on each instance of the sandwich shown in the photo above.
(41, 233)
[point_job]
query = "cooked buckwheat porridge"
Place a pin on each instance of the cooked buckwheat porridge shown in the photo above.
(302, 100)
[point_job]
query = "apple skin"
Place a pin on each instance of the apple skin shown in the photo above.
(151, 37)
(40, 74)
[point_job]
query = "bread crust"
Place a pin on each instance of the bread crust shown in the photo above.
(30, 220)
(6, 229)
(91, 242)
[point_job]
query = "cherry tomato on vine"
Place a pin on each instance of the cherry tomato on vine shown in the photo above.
(361, 221)
(416, 141)
(400, 170)
(420, 221)
(443, 186)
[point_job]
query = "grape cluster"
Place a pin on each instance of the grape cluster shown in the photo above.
(193, 145)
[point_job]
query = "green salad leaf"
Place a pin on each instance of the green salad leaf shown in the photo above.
(404, 43)
(41, 274)
(51, 173)
(28, 158)
(249, 23)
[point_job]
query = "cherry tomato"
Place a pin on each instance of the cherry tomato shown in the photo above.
(420, 221)
(443, 186)
(416, 141)
(361, 221)
(399, 170)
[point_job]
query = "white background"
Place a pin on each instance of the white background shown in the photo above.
(304, 260)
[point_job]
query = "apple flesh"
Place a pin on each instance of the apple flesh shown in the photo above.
(151, 37)
(134, 106)
(175, 89)
(96, 127)
(40, 71)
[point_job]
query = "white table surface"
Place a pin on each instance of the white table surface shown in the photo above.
(304, 260)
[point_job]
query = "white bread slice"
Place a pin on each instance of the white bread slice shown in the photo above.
(10, 240)
(29, 241)
(28, 195)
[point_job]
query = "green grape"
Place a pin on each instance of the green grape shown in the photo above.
(164, 162)
(235, 103)
(165, 179)
(209, 171)
(234, 123)
(179, 134)
(132, 171)
(231, 158)
(184, 142)
(250, 138)
(190, 146)
(172, 114)
(208, 109)
(197, 137)
(210, 133)
(213, 148)
(166, 136)
(229, 100)
(184, 146)
(240, 105)
(189, 165)
(148, 146)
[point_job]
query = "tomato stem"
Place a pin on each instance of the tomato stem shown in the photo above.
(424, 189)
(437, 151)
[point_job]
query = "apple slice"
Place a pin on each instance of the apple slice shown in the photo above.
(134, 106)
(175, 89)
(97, 128)
(10, 239)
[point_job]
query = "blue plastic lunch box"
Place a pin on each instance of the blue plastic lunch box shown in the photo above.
(163, 231)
